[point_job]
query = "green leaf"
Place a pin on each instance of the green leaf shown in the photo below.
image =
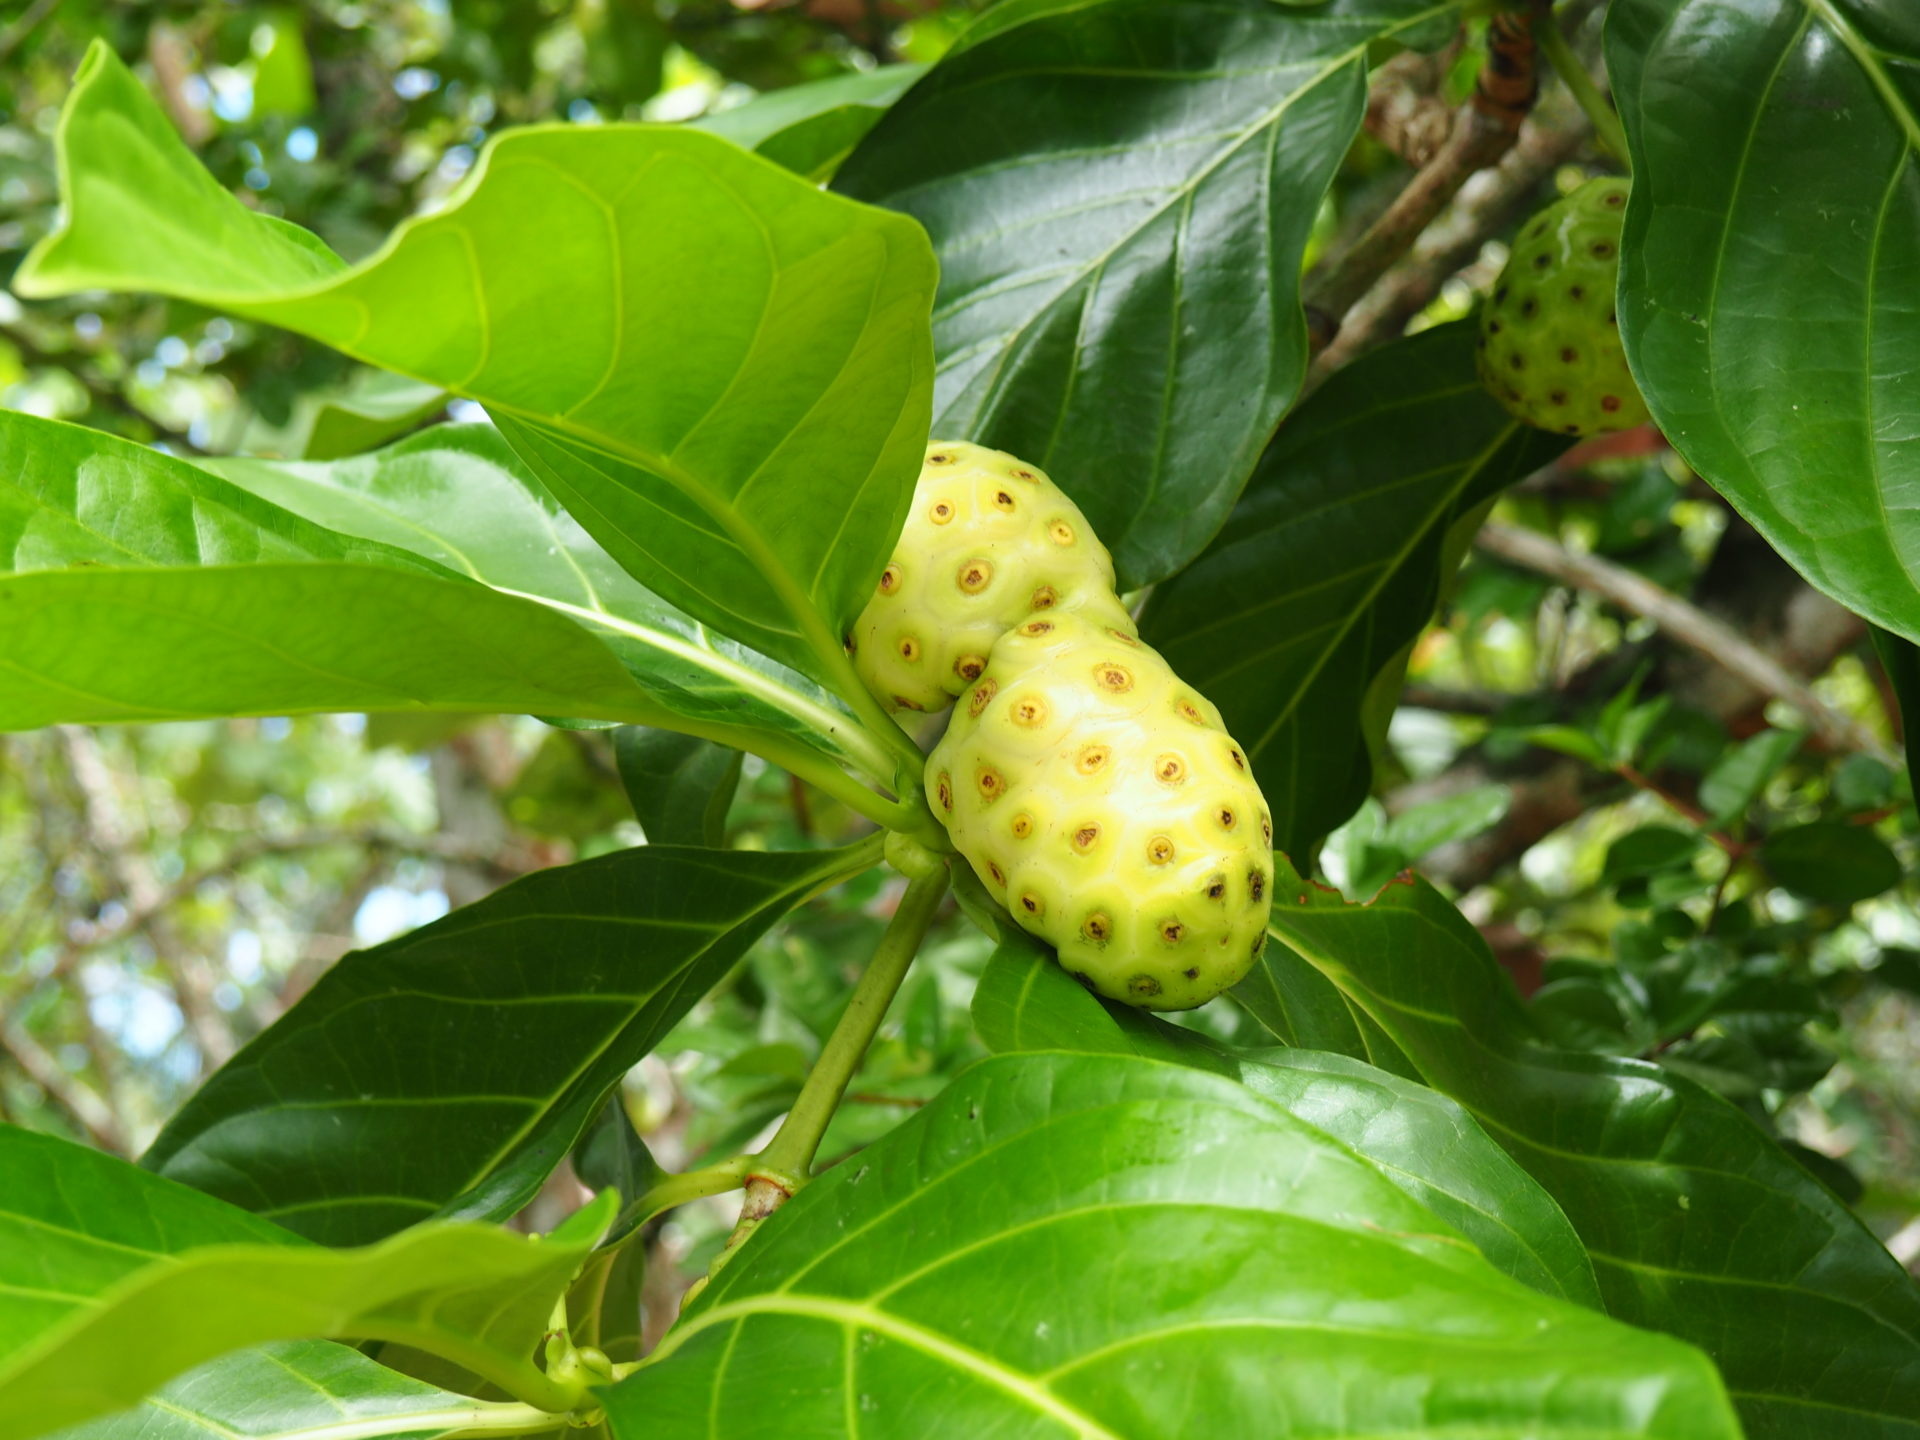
(1241, 1273)
(811, 128)
(681, 787)
(1696, 1222)
(459, 496)
(1120, 193)
(1332, 564)
(447, 1072)
(1767, 270)
(117, 1280)
(721, 371)
(293, 1390)
(1420, 829)
(1738, 777)
(1649, 850)
(1420, 1140)
(1831, 860)
(137, 587)
(370, 409)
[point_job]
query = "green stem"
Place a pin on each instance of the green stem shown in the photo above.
(1606, 123)
(475, 1417)
(692, 1185)
(792, 1150)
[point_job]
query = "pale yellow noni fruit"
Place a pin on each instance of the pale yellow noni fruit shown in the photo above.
(1102, 801)
(989, 541)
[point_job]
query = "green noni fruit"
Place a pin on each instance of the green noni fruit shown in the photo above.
(1550, 336)
(1102, 801)
(990, 540)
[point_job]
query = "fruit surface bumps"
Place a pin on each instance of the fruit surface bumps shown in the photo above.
(1550, 336)
(1101, 801)
(989, 541)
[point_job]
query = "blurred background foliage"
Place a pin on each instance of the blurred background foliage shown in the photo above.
(1672, 860)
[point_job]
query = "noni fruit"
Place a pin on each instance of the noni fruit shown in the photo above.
(1102, 801)
(1550, 337)
(989, 541)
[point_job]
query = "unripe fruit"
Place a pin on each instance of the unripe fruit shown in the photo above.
(1550, 336)
(989, 541)
(1103, 803)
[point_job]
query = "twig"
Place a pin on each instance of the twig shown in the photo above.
(1483, 131)
(114, 840)
(1682, 621)
(1404, 112)
(15, 35)
(1482, 209)
(68, 1093)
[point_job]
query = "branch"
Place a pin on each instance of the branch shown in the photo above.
(1483, 208)
(67, 1092)
(1681, 621)
(1484, 130)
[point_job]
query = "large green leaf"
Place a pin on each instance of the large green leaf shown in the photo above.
(1420, 1140)
(811, 128)
(113, 1281)
(1768, 270)
(1332, 564)
(448, 1071)
(1120, 192)
(721, 371)
(1697, 1223)
(136, 587)
(294, 1390)
(1093, 1246)
(459, 496)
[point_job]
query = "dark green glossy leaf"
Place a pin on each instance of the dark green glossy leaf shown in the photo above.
(681, 786)
(811, 128)
(138, 587)
(292, 1390)
(448, 1071)
(1901, 660)
(1420, 1140)
(1120, 192)
(722, 372)
(1333, 562)
(1768, 267)
(1832, 861)
(1697, 1223)
(459, 496)
(1237, 1273)
(116, 1280)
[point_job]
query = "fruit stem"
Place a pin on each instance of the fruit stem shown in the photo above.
(788, 1158)
(690, 1185)
(1606, 121)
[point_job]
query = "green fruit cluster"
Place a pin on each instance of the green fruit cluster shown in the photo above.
(989, 541)
(1105, 805)
(1550, 336)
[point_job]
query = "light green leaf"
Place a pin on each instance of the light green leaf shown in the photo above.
(297, 1390)
(137, 587)
(1092, 1246)
(459, 496)
(721, 371)
(113, 1281)
(1120, 193)
(1697, 1223)
(811, 128)
(1768, 270)
(341, 1122)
